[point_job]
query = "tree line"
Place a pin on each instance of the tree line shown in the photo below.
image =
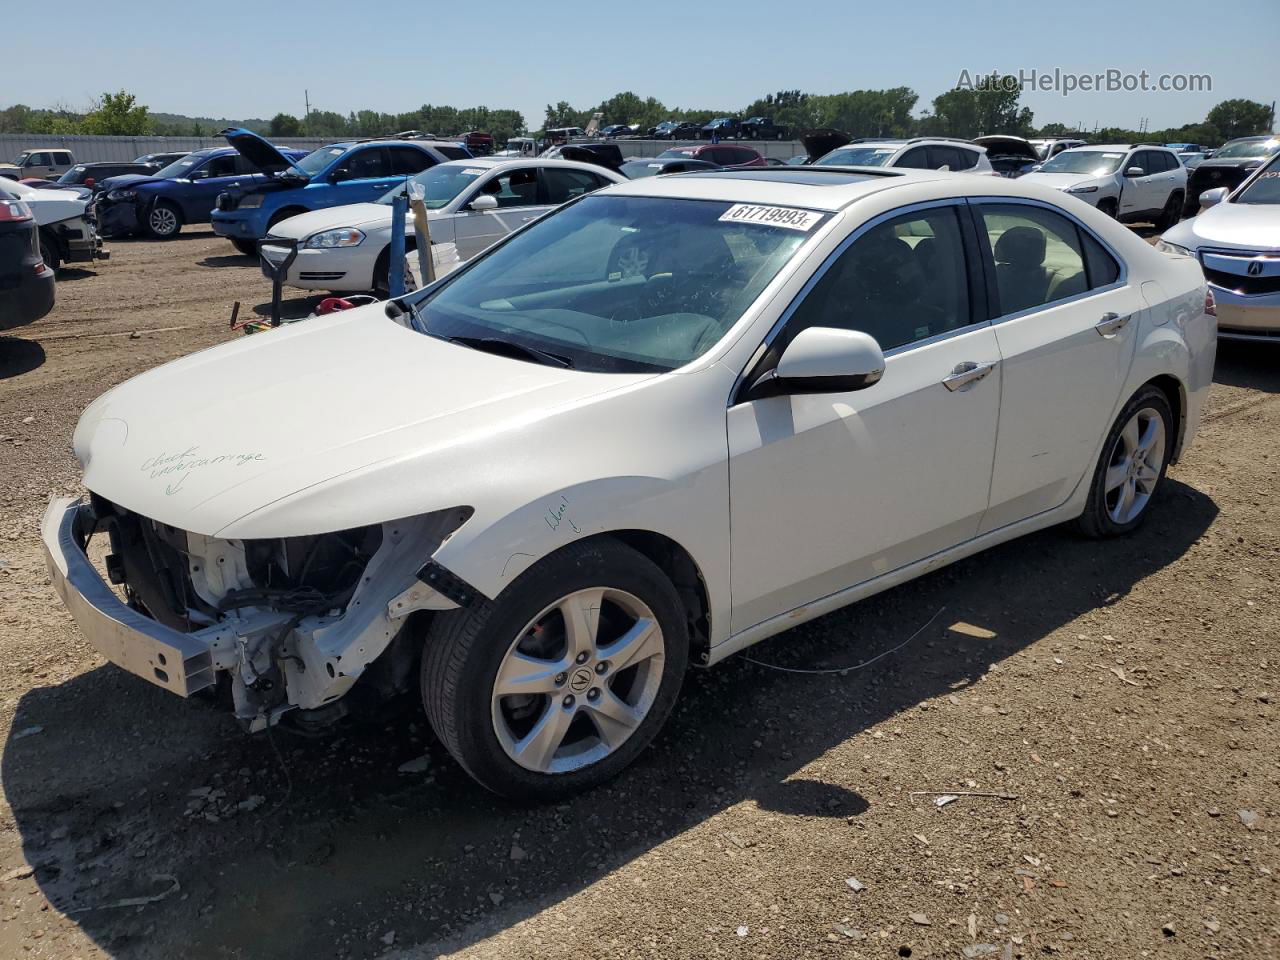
(989, 108)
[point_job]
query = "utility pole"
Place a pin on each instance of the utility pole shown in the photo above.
(306, 99)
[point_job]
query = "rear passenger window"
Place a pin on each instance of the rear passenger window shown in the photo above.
(409, 160)
(564, 184)
(917, 159)
(1037, 256)
(902, 281)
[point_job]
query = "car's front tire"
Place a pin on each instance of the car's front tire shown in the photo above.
(1135, 458)
(1171, 213)
(164, 220)
(248, 247)
(559, 683)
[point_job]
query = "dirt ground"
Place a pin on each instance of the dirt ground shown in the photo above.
(1119, 700)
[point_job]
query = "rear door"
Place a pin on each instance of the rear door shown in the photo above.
(1066, 320)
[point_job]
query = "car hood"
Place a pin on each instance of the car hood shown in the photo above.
(261, 153)
(1003, 146)
(349, 215)
(54, 206)
(1247, 226)
(127, 180)
(1057, 181)
(324, 412)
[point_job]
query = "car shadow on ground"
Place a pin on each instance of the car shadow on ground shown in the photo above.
(19, 356)
(66, 274)
(1253, 366)
(228, 260)
(318, 849)
(199, 232)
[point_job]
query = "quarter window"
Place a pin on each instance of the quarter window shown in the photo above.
(1037, 256)
(902, 281)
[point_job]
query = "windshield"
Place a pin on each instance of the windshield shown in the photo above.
(620, 284)
(1095, 163)
(443, 182)
(179, 168)
(1266, 186)
(677, 153)
(1248, 150)
(317, 160)
(858, 157)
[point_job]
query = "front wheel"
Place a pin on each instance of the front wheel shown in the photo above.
(1134, 460)
(164, 220)
(1171, 213)
(248, 247)
(562, 681)
(49, 254)
(1110, 208)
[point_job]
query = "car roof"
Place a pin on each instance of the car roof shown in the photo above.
(817, 188)
(490, 163)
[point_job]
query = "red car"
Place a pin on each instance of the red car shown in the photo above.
(725, 154)
(479, 143)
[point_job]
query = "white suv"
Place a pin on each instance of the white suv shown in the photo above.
(919, 153)
(1131, 182)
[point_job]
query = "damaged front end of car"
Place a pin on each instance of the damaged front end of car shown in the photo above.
(292, 626)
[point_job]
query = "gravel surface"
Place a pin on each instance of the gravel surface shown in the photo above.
(1105, 716)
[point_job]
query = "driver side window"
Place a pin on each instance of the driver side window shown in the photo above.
(902, 281)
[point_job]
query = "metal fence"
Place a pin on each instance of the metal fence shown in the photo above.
(123, 149)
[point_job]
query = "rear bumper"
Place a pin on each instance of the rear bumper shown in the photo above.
(32, 298)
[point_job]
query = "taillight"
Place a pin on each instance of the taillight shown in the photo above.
(12, 211)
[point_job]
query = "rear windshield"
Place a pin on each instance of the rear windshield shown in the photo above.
(618, 284)
(641, 168)
(679, 153)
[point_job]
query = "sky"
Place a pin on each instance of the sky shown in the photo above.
(714, 54)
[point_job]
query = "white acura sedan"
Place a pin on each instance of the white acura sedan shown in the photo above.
(470, 204)
(1237, 241)
(664, 422)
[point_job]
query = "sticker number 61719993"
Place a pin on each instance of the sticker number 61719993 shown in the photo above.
(788, 217)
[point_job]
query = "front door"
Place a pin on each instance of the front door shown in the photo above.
(1066, 324)
(516, 191)
(362, 176)
(831, 490)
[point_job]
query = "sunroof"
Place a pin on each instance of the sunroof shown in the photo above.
(814, 176)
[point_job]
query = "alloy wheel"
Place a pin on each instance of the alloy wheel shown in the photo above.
(163, 221)
(578, 680)
(1134, 467)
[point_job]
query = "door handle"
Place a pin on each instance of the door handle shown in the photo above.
(966, 373)
(1111, 323)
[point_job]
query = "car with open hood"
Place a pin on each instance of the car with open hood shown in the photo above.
(1135, 183)
(665, 421)
(184, 192)
(1236, 239)
(470, 204)
(1009, 156)
(353, 171)
(1228, 167)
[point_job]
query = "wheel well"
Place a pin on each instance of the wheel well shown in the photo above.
(1173, 392)
(284, 213)
(676, 562)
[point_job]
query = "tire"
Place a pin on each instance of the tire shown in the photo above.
(49, 253)
(1109, 207)
(495, 736)
(382, 273)
(248, 247)
(1125, 470)
(164, 220)
(1172, 212)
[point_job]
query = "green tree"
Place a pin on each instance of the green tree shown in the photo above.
(866, 113)
(1240, 118)
(285, 125)
(117, 115)
(564, 115)
(985, 106)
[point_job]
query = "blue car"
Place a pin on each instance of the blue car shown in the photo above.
(183, 192)
(356, 171)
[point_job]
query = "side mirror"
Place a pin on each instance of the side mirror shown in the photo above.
(484, 202)
(198, 175)
(823, 360)
(1135, 172)
(1214, 196)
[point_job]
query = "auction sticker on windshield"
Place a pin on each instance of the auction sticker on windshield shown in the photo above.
(789, 217)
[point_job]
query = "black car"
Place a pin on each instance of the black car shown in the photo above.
(26, 282)
(761, 128)
(158, 160)
(652, 166)
(1228, 167)
(83, 176)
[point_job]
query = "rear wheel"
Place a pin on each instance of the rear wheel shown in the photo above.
(164, 220)
(1134, 460)
(49, 253)
(562, 681)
